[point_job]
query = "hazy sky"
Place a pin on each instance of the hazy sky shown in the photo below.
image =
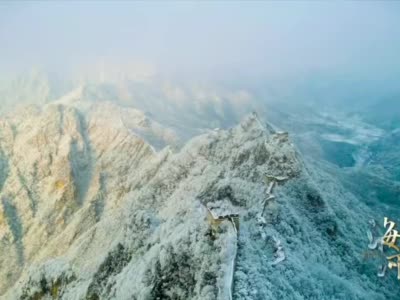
(251, 39)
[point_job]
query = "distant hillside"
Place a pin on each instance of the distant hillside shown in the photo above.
(385, 113)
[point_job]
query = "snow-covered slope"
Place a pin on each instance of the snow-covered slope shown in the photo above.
(93, 206)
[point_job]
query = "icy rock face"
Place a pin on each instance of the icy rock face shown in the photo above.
(127, 118)
(60, 174)
(90, 211)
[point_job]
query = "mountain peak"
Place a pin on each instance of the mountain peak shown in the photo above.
(81, 172)
(80, 183)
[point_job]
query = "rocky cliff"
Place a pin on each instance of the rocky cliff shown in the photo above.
(96, 205)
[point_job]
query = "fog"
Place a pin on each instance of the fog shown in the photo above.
(292, 50)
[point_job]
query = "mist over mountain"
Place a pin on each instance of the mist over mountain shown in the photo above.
(105, 194)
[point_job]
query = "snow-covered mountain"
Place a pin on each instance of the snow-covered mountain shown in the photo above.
(100, 201)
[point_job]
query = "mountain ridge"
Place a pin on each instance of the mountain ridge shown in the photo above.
(118, 219)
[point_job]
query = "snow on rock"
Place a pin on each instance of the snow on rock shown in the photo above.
(279, 253)
(89, 210)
